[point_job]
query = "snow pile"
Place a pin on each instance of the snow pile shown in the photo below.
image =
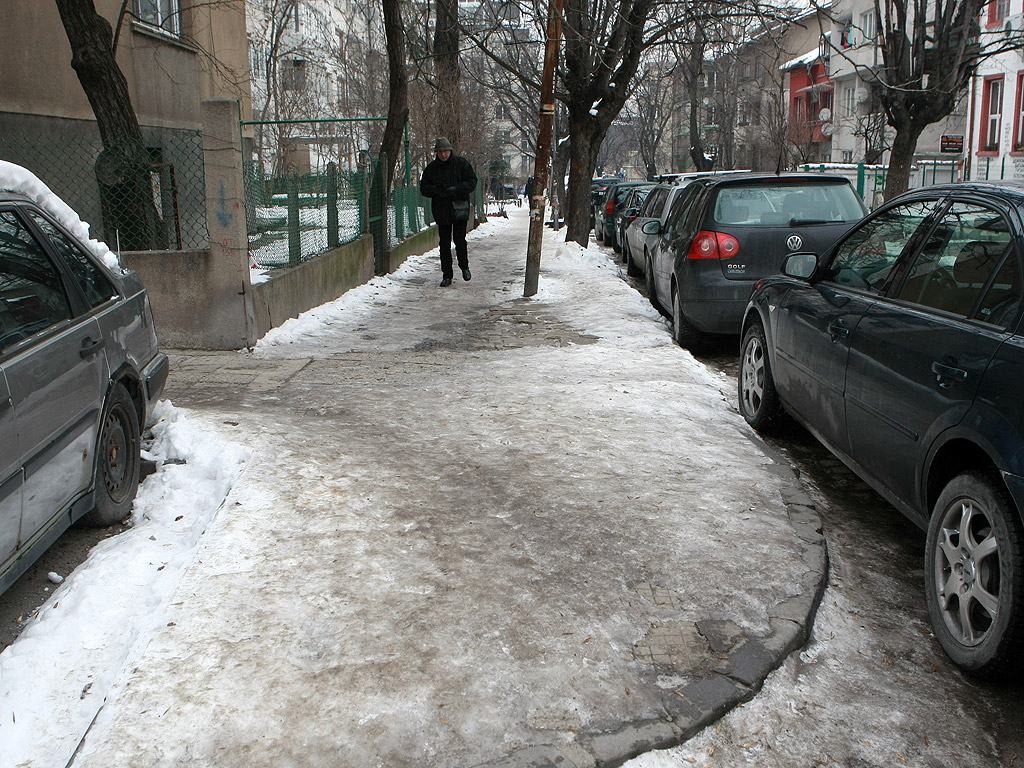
(14, 178)
(54, 678)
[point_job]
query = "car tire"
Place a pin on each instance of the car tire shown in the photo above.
(631, 268)
(685, 335)
(652, 291)
(599, 231)
(118, 460)
(974, 576)
(615, 241)
(758, 398)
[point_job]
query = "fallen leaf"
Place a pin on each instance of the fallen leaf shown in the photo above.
(587, 640)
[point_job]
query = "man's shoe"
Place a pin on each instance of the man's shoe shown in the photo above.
(466, 274)
(446, 282)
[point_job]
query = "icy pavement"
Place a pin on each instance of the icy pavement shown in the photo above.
(474, 529)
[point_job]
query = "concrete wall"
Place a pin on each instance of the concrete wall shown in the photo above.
(190, 314)
(168, 77)
(323, 278)
(184, 307)
(419, 243)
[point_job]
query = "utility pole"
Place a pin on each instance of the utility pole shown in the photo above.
(543, 159)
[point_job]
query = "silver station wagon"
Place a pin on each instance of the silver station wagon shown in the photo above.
(80, 370)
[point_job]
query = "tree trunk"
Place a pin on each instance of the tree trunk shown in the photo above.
(583, 151)
(446, 70)
(897, 178)
(700, 160)
(122, 169)
(398, 89)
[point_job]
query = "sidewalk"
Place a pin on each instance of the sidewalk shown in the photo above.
(476, 530)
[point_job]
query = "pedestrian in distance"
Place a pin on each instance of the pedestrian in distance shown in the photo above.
(448, 181)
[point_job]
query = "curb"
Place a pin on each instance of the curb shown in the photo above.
(745, 662)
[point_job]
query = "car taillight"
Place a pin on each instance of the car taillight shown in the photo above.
(713, 245)
(610, 208)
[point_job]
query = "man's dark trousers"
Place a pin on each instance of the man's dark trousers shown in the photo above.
(446, 232)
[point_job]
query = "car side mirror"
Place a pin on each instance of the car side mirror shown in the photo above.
(651, 228)
(800, 265)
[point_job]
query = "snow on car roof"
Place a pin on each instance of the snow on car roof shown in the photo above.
(14, 178)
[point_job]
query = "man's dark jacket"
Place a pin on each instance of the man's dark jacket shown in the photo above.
(444, 181)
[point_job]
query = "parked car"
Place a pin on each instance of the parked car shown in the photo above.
(597, 189)
(611, 204)
(636, 243)
(80, 370)
(628, 212)
(726, 232)
(901, 349)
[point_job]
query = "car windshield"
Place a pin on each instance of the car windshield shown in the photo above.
(786, 205)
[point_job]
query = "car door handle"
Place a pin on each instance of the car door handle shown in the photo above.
(836, 330)
(5, 405)
(947, 374)
(90, 347)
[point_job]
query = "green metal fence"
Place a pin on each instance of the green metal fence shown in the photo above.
(136, 198)
(292, 217)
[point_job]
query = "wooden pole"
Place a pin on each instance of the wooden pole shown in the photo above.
(543, 159)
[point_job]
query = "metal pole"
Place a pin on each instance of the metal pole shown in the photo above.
(540, 168)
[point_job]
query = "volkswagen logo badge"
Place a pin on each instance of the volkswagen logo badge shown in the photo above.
(795, 242)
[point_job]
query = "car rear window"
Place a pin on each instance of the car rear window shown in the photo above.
(786, 205)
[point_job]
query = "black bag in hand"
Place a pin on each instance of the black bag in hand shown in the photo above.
(460, 210)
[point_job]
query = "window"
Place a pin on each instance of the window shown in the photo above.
(992, 113)
(256, 60)
(865, 260)
(998, 10)
(683, 203)
(32, 296)
(1018, 116)
(850, 101)
(654, 203)
(94, 284)
(293, 74)
(867, 26)
(295, 18)
(160, 13)
(847, 155)
(965, 251)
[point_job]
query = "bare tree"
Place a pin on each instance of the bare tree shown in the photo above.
(650, 109)
(446, 69)
(929, 52)
(122, 169)
(398, 88)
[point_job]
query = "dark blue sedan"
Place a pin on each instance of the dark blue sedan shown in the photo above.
(900, 349)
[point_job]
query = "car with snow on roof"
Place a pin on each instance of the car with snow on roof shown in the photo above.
(80, 371)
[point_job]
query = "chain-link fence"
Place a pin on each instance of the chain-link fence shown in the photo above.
(293, 217)
(150, 197)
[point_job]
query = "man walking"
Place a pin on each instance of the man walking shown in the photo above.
(448, 181)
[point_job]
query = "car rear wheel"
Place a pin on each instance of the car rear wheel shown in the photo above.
(598, 230)
(974, 576)
(685, 335)
(615, 241)
(631, 268)
(758, 398)
(117, 471)
(652, 293)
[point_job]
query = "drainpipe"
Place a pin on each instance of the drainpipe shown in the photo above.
(969, 155)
